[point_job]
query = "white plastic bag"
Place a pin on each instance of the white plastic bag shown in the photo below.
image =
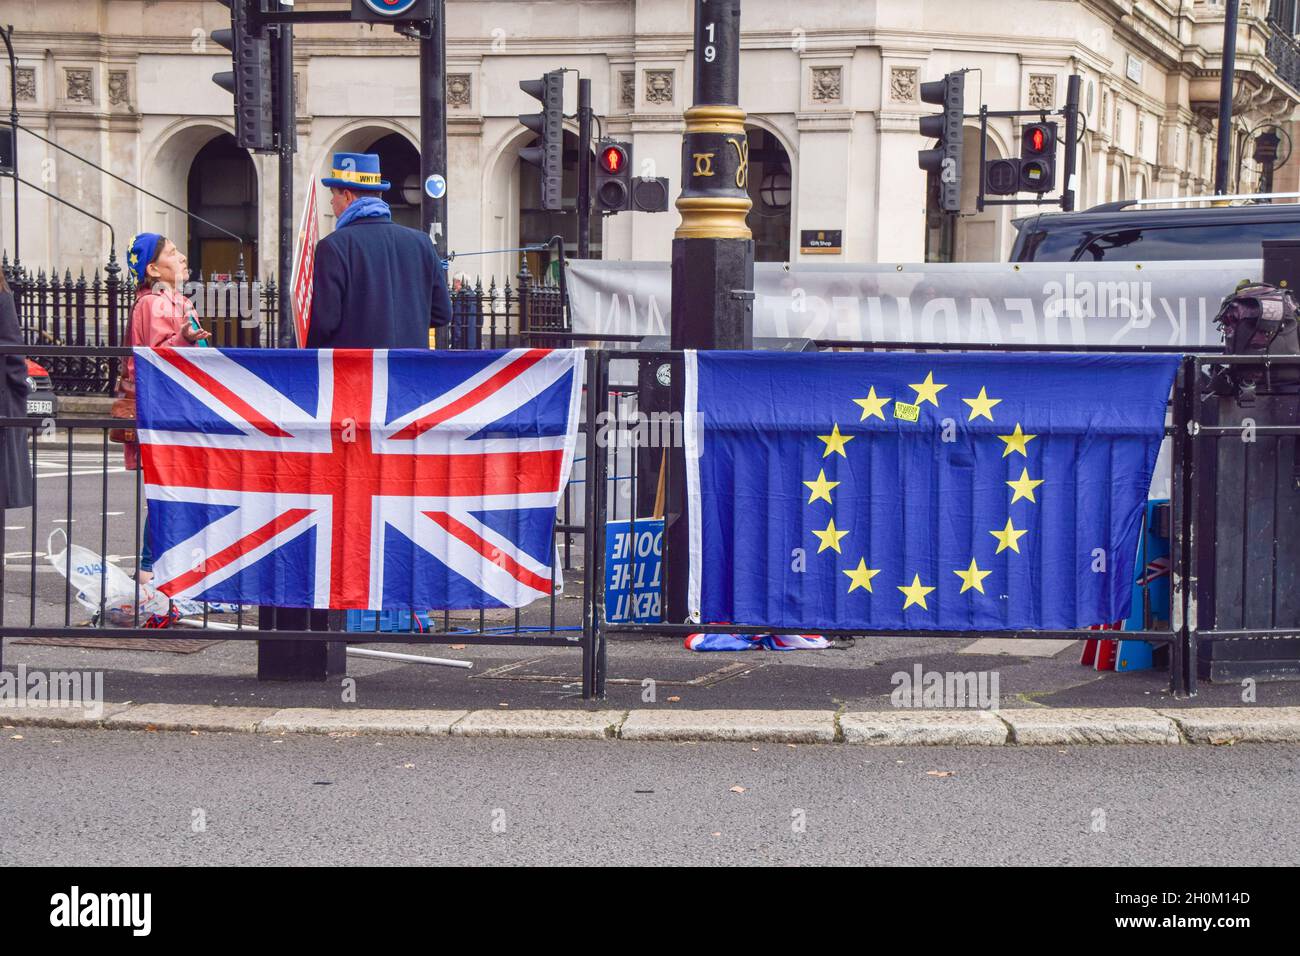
(89, 574)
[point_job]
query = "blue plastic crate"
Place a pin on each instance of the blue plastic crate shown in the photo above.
(388, 622)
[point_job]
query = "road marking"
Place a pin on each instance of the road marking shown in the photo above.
(76, 474)
(14, 527)
(62, 520)
(111, 514)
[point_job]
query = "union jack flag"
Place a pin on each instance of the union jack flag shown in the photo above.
(356, 478)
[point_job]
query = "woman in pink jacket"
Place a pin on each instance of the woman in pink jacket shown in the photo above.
(162, 316)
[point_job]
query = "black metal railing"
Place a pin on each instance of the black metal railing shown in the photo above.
(58, 310)
(624, 481)
(1283, 52)
(502, 316)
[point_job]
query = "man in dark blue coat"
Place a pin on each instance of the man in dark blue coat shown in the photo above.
(376, 284)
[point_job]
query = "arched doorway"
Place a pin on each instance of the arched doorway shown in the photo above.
(400, 163)
(538, 225)
(771, 191)
(222, 188)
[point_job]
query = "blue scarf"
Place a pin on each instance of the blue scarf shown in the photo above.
(364, 207)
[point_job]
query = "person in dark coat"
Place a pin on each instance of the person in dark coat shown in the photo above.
(376, 284)
(15, 461)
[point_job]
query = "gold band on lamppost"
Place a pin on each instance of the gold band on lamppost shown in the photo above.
(713, 217)
(714, 119)
(714, 201)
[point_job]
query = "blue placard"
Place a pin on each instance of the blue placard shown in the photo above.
(436, 186)
(633, 579)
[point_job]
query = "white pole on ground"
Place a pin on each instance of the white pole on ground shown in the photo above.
(408, 658)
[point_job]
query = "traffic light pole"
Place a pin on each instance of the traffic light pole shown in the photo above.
(584, 169)
(1071, 140)
(433, 125)
(286, 110)
(8, 35)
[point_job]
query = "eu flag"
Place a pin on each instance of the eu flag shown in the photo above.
(912, 491)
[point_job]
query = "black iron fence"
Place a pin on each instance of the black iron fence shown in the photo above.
(55, 309)
(1233, 578)
(505, 315)
(58, 310)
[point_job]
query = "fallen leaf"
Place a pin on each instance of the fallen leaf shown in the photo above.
(458, 647)
(16, 737)
(792, 746)
(716, 833)
(941, 773)
(194, 733)
(1221, 741)
(503, 704)
(673, 700)
(737, 789)
(151, 729)
(755, 749)
(408, 766)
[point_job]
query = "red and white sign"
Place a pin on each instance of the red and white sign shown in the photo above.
(304, 261)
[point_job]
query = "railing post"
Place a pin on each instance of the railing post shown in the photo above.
(492, 310)
(525, 281)
(271, 296)
(111, 287)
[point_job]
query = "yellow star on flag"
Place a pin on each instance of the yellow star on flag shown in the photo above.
(835, 442)
(872, 405)
(972, 577)
(928, 391)
(1008, 537)
(1016, 442)
(821, 488)
(1024, 486)
(981, 405)
(830, 538)
(915, 592)
(861, 576)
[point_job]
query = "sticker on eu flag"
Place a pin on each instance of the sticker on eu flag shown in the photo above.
(908, 413)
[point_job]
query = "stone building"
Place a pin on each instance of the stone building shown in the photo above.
(830, 87)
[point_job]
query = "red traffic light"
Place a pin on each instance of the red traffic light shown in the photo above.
(1039, 140)
(613, 159)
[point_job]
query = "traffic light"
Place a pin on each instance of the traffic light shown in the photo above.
(613, 186)
(549, 127)
(250, 80)
(391, 11)
(650, 194)
(944, 159)
(1038, 158)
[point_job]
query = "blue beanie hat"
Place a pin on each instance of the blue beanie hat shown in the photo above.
(143, 248)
